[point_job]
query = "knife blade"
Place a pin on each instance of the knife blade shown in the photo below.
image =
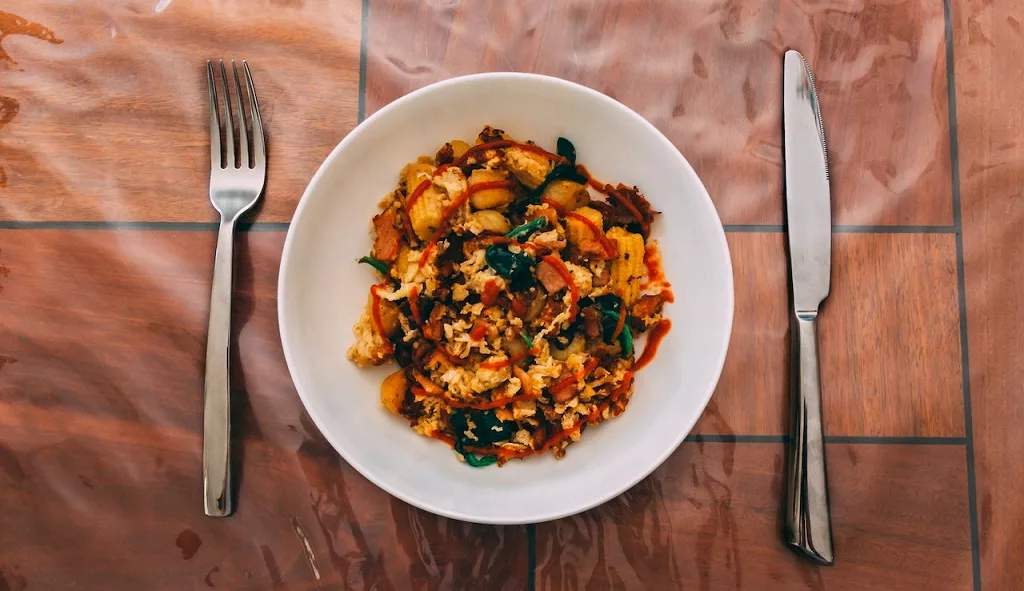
(809, 219)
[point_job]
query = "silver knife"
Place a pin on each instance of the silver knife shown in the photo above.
(809, 216)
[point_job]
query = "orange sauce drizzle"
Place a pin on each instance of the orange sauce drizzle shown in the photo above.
(654, 339)
(414, 305)
(417, 192)
(375, 313)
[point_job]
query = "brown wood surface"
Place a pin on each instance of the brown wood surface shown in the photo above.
(888, 333)
(708, 74)
(708, 519)
(103, 119)
(989, 50)
(752, 394)
(112, 123)
(100, 437)
(889, 337)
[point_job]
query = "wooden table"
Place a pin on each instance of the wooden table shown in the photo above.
(106, 249)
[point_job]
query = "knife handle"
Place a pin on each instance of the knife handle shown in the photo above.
(808, 523)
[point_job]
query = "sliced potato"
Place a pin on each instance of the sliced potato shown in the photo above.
(566, 194)
(459, 148)
(393, 390)
(489, 198)
(491, 221)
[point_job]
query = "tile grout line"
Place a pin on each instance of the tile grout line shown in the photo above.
(965, 368)
(364, 48)
(831, 439)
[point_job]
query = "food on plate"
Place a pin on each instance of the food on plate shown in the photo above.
(512, 286)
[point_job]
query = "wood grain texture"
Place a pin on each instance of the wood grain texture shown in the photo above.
(112, 123)
(989, 58)
(708, 519)
(751, 397)
(100, 437)
(708, 75)
(889, 337)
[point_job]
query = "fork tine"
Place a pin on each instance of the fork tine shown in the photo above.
(259, 149)
(215, 155)
(229, 126)
(243, 133)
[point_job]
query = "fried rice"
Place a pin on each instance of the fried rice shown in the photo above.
(512, 285)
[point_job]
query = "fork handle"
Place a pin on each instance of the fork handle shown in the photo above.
(217, 393)
(808, 523)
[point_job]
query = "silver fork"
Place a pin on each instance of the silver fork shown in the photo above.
(235, 185)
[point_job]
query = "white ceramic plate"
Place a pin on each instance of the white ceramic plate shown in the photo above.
(322, 292)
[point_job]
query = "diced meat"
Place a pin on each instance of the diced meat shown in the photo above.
(432, 328)
(593, 249)
(639, 201)
(627, 199)
(420, 352)
(571, 254)
(552, 308)
(388, 239)
(612, 213)
(591, 322)
(550, 278)
(645, 310)
(519, 307)
(446, 155)
(490, 134)
(547, 212)
(604, 277)
(446, 269)
(564, 394)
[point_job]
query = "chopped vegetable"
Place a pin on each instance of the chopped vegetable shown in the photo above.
(625, 336)
(516, 267)
(375, 263)
(562, 171)
(471, 459)
(550, 277)
(487, 430)
(610, 306)
(567, 150)
(524, 231)
(529, 341)
(626, 339)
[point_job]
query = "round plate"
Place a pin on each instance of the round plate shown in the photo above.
(322, 292)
